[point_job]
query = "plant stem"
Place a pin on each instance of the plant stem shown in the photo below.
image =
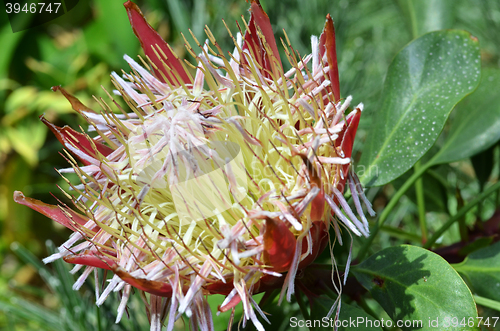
(413, 17)
(390, 206)
(487, 302)
(461, 213)
(480, 206)
(98, 313)
(464, 232)
(419, 191)
(498, 199)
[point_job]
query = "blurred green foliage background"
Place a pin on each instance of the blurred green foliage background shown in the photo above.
(81, 48)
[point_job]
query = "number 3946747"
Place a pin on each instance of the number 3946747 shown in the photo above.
(32, 8)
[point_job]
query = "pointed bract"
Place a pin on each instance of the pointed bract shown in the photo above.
(346, 142)
(269, 58)
(61, 215)
(150, 41)
(327, 44)
(76, 141)
(91, 259)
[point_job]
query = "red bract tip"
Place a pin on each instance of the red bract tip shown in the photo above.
(347, 135)
(61, 215)
(327, 44)
(256, 46)
(72, 140)
(150, 42)
(91, 259)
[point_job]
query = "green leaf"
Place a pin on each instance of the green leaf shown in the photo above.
(424, 82)
(481, 269)
(476, 122)
(412, 283)
(351, 318)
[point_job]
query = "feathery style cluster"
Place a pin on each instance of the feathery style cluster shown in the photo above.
(222, 183)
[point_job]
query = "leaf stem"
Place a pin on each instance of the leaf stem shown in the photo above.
(479, 206)
(460, 214)
(464, 232)
(413, 18)
(419, 191)
(390, 206)
(498, 199)
(98, 315)
(487, 302)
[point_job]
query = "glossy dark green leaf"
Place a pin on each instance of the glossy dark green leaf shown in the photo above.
(412, 283)
(481, 269)
(424, 82)
(476, 124)
(350, 318)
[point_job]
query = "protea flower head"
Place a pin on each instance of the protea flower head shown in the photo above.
(225, 182)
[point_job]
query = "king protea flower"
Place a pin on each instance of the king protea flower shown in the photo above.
(225, 182)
